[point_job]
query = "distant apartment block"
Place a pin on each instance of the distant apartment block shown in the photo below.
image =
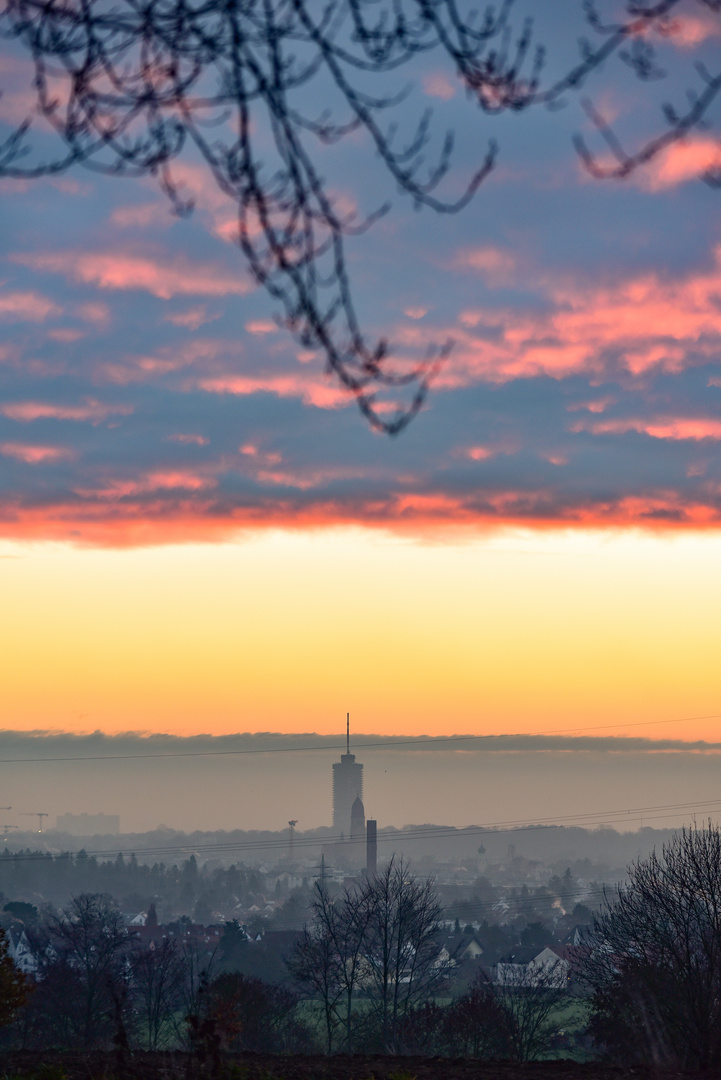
(89, 824)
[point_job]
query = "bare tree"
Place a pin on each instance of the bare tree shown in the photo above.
(249, 1014)
(654, 964)
(527, 1002)
(15, 987)
(157, 975)
(130, 85)
(315, 965)
(401, 949)
(474, 1024)
(198, 966)
(512, 1020)
(379, 939)
(329, 959)
(81, 974)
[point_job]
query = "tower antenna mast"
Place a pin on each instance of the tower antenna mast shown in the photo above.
(347, 733)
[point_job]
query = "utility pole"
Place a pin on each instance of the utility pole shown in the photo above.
(347, 733)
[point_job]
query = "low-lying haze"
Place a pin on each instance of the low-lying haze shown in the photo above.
(260, 781)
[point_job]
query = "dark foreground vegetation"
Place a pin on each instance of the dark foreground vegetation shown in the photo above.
(371, 985)
(178, 1066)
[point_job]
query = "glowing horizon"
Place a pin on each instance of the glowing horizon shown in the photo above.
(287, 631)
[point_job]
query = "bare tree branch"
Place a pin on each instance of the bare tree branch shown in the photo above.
(131, 85)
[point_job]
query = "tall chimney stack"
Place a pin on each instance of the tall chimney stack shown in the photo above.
(371, 846)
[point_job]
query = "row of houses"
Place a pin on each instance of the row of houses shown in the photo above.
(548, 966)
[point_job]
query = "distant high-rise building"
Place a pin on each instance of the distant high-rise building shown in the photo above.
(347, 787)
(89, 824)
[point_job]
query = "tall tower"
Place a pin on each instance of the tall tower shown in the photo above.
(347, 787)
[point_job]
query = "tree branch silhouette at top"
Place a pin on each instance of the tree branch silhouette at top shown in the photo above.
(129, 85)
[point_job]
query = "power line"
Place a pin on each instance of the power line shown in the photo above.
(607, 817)
(428, 742)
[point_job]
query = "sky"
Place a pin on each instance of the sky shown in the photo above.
(199, 531)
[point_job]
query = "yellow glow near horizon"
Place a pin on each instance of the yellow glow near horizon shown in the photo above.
(286, 631)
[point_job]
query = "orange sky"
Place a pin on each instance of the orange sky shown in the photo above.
(286, 631)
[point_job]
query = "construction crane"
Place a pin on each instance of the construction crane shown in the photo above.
(6, 829)
(38, 815)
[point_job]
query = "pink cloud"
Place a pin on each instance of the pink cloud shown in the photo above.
(190, 440)
(92, 410)
(480, 453)
(122, 519)
(322, 393)
(160, 480)
(676, 428)
(140, 369)
(439, 86)
(494, 264)
(35, 455)
(214, 207)
(141, 215)
(192, 319)
(305, 479)
(688, 31)
(26, 307)
(94, 313)
(66, 335)
(261, 326)
(260, 457)
(642, 324)
(555, 459)
(196, 182)
(173, 276)
(681, 162)
(596, 405)
(19, 99)
(9, 185)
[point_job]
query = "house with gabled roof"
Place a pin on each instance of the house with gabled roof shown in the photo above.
(20, 952)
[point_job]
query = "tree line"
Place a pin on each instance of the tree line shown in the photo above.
(187, 888)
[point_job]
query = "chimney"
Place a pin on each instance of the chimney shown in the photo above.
(371, 846)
